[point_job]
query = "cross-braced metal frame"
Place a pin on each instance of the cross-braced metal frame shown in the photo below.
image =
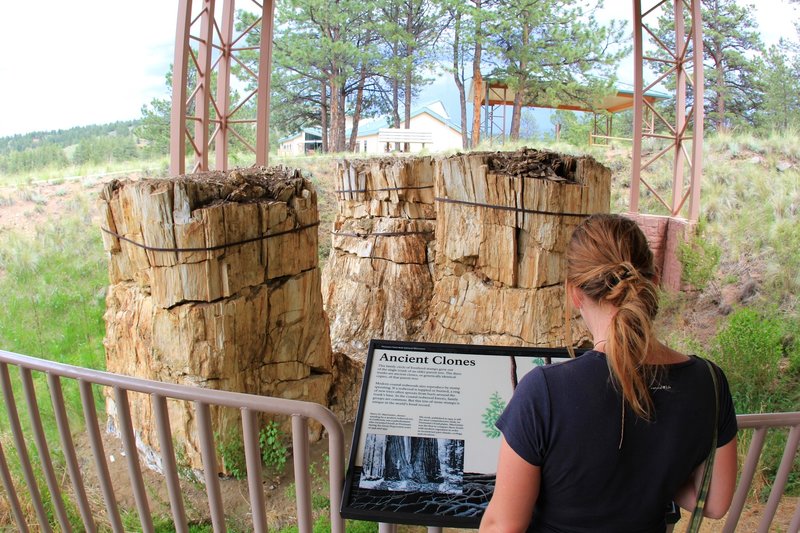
(205, 41)
(685, 133)
(214, 48)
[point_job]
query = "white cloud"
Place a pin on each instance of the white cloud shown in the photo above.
(77, 63)
(70, 63)
(776, 19)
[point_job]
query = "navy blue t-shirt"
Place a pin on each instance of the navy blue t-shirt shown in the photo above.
(567, 419)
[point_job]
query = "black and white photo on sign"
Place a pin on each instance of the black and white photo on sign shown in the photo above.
(412, 464)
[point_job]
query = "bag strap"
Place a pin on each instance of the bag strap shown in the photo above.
(702, 494)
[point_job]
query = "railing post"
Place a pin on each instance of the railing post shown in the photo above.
(98, 451)
(169, 465)
(68, 447)
(22, 450)
(781, 477)
(252, 454)
(44, 450)
(208, 455)
(132, 457)
(745, 479)
(302, 484)
(11, 493)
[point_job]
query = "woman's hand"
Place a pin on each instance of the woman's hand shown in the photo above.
(515, 493)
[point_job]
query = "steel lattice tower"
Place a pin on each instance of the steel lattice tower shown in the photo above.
(206, 41)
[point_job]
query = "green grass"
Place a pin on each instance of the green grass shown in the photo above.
(53, 292)
(148, 167)
(52, 285)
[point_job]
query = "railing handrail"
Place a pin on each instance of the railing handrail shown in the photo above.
(222, 398)
(753, 421)
(203, 398)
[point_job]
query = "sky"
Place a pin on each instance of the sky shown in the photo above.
(81, 62)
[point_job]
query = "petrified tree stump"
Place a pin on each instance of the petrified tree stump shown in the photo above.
(377, 282)
(503, 223)
(215, 283)
(494, 272)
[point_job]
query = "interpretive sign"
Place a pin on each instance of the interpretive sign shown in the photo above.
(425, 446)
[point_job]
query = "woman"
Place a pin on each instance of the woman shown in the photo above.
(605, 441)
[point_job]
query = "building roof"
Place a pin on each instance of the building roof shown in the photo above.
(435, 109)
(366, 127)
(501, 94)
(310, 131)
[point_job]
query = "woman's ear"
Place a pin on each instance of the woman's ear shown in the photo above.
(575, 295)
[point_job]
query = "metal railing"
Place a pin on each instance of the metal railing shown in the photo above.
(203, 399)
(761, 423)
(250, 406)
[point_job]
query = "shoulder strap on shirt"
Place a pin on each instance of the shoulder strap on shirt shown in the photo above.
(702, 494)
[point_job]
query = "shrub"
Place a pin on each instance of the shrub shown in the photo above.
(749, 348)
(273, 447)
(699, 260)
(231, 449)
(784, 270)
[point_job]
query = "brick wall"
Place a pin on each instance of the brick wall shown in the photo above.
(664, 235)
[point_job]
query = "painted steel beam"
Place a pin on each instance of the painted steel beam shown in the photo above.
(205, 52)
(687, 147)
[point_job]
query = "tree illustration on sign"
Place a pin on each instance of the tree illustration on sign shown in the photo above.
(491, 414)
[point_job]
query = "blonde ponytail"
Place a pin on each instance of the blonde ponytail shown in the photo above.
(609, 260)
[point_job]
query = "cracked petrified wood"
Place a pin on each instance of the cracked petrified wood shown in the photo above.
(215, 283)
(377, 282)
(463, 249)
(503, 222)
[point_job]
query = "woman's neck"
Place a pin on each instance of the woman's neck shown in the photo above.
(661, 354)
(598, 317)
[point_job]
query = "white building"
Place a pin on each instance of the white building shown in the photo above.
(430, 130)
(306, 141)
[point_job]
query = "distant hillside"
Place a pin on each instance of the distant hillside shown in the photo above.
(95, 144)
(65, 138)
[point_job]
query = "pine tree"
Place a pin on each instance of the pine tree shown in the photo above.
(408, 30)
(456, 29)
(329, 42)
(730, 44)
(778, 75)
(553, 52)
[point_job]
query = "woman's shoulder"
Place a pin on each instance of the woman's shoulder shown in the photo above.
(590, 364)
